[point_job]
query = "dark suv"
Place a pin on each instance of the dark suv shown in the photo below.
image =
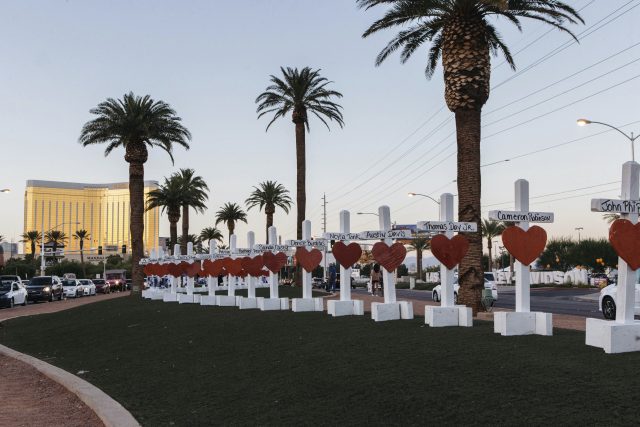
(45, 288)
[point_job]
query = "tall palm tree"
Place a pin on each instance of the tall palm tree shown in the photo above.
(55, 238)
(168, 197)
(231, 213)
(32, 237)
(194, 195)
(459, 32)
(491, 229)
(300, 92)
(419, 244)
(135, 123)
(211, 233)
(81, 236)
(269, 195)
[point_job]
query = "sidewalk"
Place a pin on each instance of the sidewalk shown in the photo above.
(562, 321)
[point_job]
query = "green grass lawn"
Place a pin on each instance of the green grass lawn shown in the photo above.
(192, 365)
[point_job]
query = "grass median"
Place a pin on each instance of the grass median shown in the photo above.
(172, 364)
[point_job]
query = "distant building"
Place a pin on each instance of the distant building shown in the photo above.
(101, 209)
(10, 249)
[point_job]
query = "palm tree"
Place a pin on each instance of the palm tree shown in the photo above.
(211, 233)
(231, 213)
(32, 237)
(194, 194)
(168, 197)
(134, 123)
(300, 92)
(56, 238)
(269, 195)
(419, 244)
(81, 236)
(197, 243)
(491, 229)
(459, 32)
(610, 217)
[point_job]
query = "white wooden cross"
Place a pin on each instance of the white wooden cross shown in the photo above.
(628, 208)
(447, 226)
(522, 217)
(212, 282)
(308, 244)
(251, 281)
(231, 280)
(175, 282)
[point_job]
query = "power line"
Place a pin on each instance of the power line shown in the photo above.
(587, 32)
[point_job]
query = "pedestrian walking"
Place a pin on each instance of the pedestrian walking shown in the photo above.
(332, 278)
(376, 279)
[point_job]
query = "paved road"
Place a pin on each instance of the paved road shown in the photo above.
(550, 300)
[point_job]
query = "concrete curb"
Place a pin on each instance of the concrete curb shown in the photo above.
(110, 412)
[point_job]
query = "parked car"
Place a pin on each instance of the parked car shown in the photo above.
(489, 283)
(102, 287)
(88, 286)
(607, 299)
(72, 288)
(45, 288)
(12, 293)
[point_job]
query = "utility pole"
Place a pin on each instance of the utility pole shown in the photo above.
(324, 230)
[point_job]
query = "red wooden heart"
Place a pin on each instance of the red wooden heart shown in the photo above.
(265, 273)
(211, 267)
(449, 251)
(184, 267)
(242, 273)
(625, 239)
(234, 266)
(163, 269)
(346, 255)
(308, 259)
(390, 257)
(254, 265)
(148, 269)
(194, 269)
(274, 262)
(174, 269)
(525, 246)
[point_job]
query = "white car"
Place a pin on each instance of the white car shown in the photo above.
(607, 301)
(72, 288)
(88, 287)
(489, 283)
(12, 293)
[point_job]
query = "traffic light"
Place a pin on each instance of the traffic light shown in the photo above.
(99, 250)
(124, 249)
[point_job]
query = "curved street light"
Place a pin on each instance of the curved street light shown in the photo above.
(5, 190)
(423, 195)
(367, 213)
(631, 138)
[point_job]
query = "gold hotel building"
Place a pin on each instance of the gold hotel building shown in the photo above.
(101, 209)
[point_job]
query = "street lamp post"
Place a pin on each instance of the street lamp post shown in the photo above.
(423, 195)
(578, 230)
(367, 213)
(631, 137)
(42, 262)
(5, 190)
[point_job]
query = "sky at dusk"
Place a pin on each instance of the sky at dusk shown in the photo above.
(210, 59)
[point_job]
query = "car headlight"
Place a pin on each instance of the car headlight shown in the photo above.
(47, 289)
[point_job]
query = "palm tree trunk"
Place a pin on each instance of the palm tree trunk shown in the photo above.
(490, 259)
(419, 263)
(84, 270)
(301, 195)
(173, 233)
(231, 226)
(33, 248)
(269, 224)
(185, 228)
(469, 188)
(136, 201)
(510, 269)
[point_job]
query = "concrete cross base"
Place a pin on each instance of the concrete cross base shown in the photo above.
(458, 315)
(247, 303)
(345, 308)
(307, 304)
(509, 323)
(613, 337)
(226, 300)
(208, 300)
(156, 295)
(269, 304)
(381, 312)
(170, 297)
(189, 299)
(146, 294)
